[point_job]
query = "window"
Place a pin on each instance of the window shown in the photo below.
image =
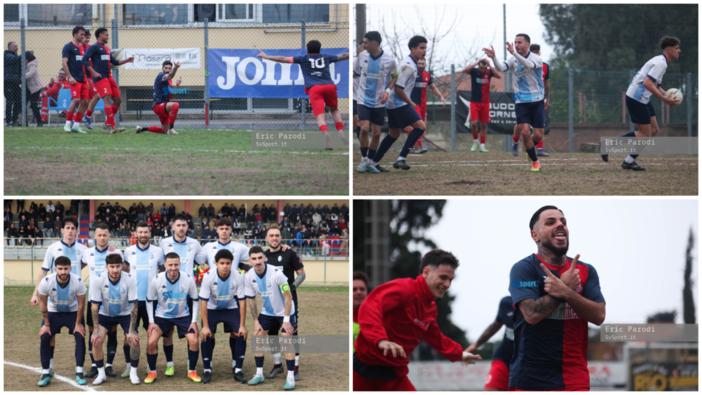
(237, 13)
(53, 14)
(155, 14)
(203, 11)
(11, 12)
(294, 13)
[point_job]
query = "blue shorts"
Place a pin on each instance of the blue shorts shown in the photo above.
(355, 107)
(268, 321)
(182, 323)
(531, 113)
(401, 117)
(89, 313)
(376, 116)
(59, 320)
(638, 112)
(230, 318)
(143, 315)
(108, 322)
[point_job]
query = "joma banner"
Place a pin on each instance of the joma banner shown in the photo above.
(239, 73)
(153, 58)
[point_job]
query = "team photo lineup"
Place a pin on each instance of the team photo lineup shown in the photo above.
(192, 284)
(390, 100)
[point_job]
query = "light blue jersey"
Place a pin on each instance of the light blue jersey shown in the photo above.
(115, 297)
(187, 251)
(527, 84)
(172, 296)
(222, 294)
(95, 260)
(72, 252)
(144, 265)
(62, 299)
(375, 74)
(653, 69)
(268, 287)
(208, 252)
(405, 81)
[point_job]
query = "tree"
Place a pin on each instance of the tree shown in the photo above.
(688, 302)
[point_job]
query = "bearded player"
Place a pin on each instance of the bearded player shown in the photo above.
(163, 107)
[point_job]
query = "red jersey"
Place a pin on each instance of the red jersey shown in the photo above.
(52, 90)
(419, 92)
(400, 311)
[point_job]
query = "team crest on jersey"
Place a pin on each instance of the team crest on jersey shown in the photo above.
(122, 290)
(71, 292)
(189, 248)
(280, 258)
(151, 255)
(92, 268)
(182, 290)
(92, 254)
(268, 284)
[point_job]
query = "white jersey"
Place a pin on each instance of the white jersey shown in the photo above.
(72, 252)
(115, 298)
(527, 84)
(172, 297)
(356, 81)
(144, 265)
(222, 294)
(653, 69)
(208, 252)
(405, 81)
(268, 287)
(62, 299)
(187, 251)
(375, 74)
(95, 259)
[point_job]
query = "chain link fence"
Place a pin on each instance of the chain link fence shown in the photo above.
(223, 84)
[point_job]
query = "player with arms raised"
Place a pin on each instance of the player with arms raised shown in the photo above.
(72, 56)
(546, 78)
(61, 301)
(319, 85)
(393, 318)
(555, 297)
(97, 60)
(163, 107)
(480, 77)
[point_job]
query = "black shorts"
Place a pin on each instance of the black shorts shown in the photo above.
(230, 318)
(376, 116)
(143, 315)
(274, 329)
(355, 107)
(401, 117)
(59, 320)
(638, 112)
(108, 322)
(531, 113)
(269, 322)
(182, 323)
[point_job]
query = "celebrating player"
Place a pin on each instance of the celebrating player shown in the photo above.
(498, 377)
(72, 55)
(647, 82)
(94, 259)
(480, 100)
(318, 85)
(289, 262)
(419, 97)
(172, 289)
(360, 292)
(390, 327)
(526, 68)
(376, 71)
(61, 301)
(114, 291)
(144, 261)
(550, 320)
(95, 98)
(187, 249)
(99, 56)
(278, 308)
(240, 253)
(401, 112)
(545, 77)
(163, 107)
(222, 300)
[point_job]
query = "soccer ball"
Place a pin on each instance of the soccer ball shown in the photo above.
(675, 94)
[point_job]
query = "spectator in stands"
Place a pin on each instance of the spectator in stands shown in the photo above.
(33, 205)
(207, 233)
(157, 233)
(57, 227)
(285, 235)
(318, 209)
(316, 218)
(259, 219)
(41, 212)
(202, 211)
(12, 235)
(60, 212)
(164, 211)
(48, 227)
(23, 222)
(309, 210)
(132, 236)
(141, 212)
(334, 217)
(294, 212)
(256, 209)
(21, 235)
(264, 213)
(188, 217)
(325, 211)
(325, 245)
(39, 236)
(7, 222)
(273, 214)
(220, 214)
(156, 217)
(124, 235)
(149, 222)
(236, 225)
(75, 206)
(171, 211)
(199, 234)
(226, 210)
(286, 210)
(248, 237)
(335, 230)
(298, 236)
(342, 224)
(344, 212)
(344, 241)
(210, 212)
(336, 210)
(251, 219)
(8, 213)
(286, 221)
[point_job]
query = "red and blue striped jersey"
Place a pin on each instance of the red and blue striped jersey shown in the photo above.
(480, 85)
(99, 58)
(419, 92)
(552, 354)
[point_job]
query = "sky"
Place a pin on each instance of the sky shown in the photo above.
(477, 26)
(636, 246)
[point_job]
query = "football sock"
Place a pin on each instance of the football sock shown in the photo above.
(339, 126)
(291, 369)
(364, 152)
(297, 359)
(482, 140)
(358, 132)
(115, 110)
(127, 350)
(173, 114)
(45, 351)
(151, 361)
(259, 365)
(192, 359)
(89, 113)
(532, 154)
(324, 129)
(475, 136)
(80, 349)
(111, 347)
(207, 353)
(76, 119)
(239, 351)
(69, 118)
(371, 154)
(540, 145)
(109, 116)
(155, 129)
(276, 358)
(385, 145)
(515, 139)
(414, 135)
(168, 350)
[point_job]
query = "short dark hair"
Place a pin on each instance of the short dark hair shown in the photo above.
(171, 255)
(256, 250)
(10, 43)
(99, 31)
(69, 220)
(526, 37)
(180, 217)
(415, 41)
(373, 36)
(113, 258)
(535, 48)
(438, 257)
(101, 225)
(62, 261)
(359, 275)
(223, 222)
(483, 63)
(142, 224)
(168, 62)
(535, 218)
(314, 46)
(77, 29)
(226, 254)
(87, 32)
(668, 41)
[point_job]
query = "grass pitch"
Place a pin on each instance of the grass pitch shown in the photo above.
(325, 311)
(49, 161)
(500, 173)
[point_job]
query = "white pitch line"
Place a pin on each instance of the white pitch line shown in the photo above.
(56, 376)
(180, 149)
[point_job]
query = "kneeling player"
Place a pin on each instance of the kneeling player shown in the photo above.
(62, 300)
(278, 308)
(163, 107)
(115, 293)
(222, 300)
(318, 85)
(171, 290)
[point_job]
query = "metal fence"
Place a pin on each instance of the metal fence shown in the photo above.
(191, 34)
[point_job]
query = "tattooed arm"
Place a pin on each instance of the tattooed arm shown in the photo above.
(253, 307)
(94, 311)
(487, 334)
(299, 279)
(132, 337)
(535, 310)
